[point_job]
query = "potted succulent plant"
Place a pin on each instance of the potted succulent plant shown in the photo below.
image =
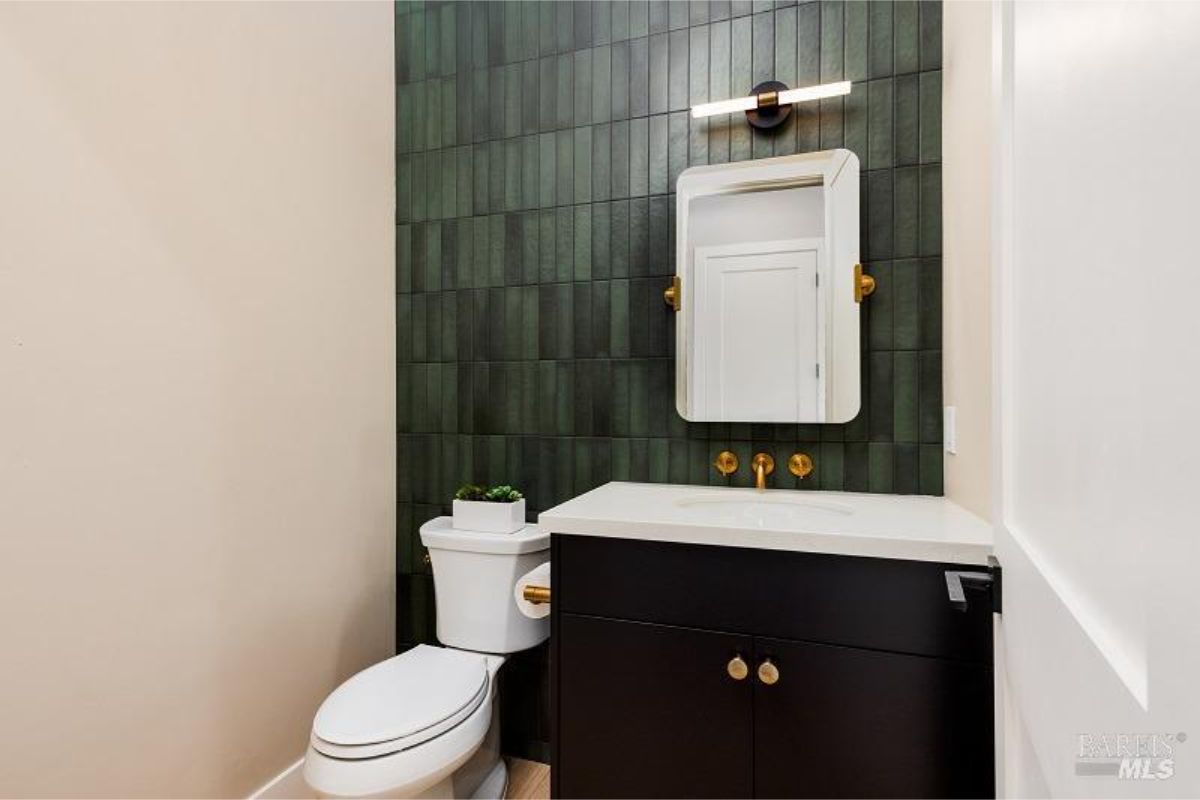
(498, 509)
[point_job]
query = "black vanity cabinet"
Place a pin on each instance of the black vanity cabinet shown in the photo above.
(860, 678)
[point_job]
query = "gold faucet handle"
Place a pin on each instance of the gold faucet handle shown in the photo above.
(800, 465)
(726, 463)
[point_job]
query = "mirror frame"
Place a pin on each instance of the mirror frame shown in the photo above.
(838, 171)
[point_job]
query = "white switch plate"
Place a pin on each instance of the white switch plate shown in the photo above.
(949, 441)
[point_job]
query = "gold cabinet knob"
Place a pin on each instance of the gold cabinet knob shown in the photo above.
(737, 668)
(800, 465)
(726, 462)
(673, 294)
(768, 673)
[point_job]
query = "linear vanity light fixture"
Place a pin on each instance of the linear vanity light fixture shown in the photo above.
(770, 102)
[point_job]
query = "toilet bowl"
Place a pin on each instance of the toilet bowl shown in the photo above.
(425, 723)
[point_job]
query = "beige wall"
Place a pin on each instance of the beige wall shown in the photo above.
(196, 386)
(966, 248)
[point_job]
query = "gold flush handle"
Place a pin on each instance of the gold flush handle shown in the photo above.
(768, 673)
(864, 285)
(737, 668)
(800, 465)
(536, 594)
(726, 463)
(673, 294)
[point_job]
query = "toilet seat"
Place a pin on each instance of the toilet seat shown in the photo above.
(401, 703)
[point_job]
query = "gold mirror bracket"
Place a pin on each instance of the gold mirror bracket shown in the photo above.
(800, 465)
(673, 294)
(726, 463)
(864, 285)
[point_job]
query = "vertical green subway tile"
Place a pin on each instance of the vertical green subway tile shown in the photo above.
(530, 245)
(931, 117)
(931, 465)
(931, 304)
(547, 245)
(930, 23)
(601, 241)
(619, 239)
(639, 236)
(677, 147)
(832, 40)
(877, 230)
(547, 110)
(879, 311)
(564, 320)
(530, 321)
(620, 166)
(677, 70)
(514, 326)
(582, 165)
(564, 186)
(907, 41)
(547, 387)
(599, 165)
(906, 198)
(564, 398)
(582, 242)
(581, 334)
(698, 65)
(906, 305)
(906, 379)
(639, 156)
(601, 319)
(620, 413)
(564, 222)
(547, 162)
(657, 158)
(762, 48)
(880, 467)
(619, 93)
(639, 77)
(882, 421)
(905, 469)
(659, 460)
(619, 326)
(931, 397)
(658, 66)
(931, 210)
(880, 104)
(740, 77)
(563, 95)
(582, 100)
(908, 120)
(879, 56)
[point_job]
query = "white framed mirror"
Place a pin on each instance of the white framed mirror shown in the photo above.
(768, 290)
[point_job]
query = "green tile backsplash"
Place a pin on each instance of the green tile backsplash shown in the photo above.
(538, 146)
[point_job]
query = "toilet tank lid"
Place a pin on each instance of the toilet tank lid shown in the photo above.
(440, 533)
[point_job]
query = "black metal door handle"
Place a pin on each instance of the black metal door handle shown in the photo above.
(955, 581)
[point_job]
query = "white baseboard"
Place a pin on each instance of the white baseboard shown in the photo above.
(287, 785)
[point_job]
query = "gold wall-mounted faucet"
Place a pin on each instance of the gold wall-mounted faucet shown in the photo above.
(763, 466)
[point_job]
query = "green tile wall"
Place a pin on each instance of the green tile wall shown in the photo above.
(537, 150)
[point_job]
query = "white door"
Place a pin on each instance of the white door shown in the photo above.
(1098, 381)
(759, 304)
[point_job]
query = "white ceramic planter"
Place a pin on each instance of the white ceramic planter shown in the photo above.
(476, 515)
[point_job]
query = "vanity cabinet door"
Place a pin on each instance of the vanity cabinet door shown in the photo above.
(847, 722)
(651, 711)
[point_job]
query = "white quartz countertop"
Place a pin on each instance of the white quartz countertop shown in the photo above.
(913, 527)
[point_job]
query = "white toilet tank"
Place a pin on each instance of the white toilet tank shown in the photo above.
(473, 579)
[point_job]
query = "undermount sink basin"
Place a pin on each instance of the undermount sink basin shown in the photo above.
(766, 510)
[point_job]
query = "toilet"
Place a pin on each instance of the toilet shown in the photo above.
(426, 722)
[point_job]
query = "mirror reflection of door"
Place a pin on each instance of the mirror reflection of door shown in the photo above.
(760, 306)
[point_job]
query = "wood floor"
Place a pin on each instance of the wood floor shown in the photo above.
(528, 780)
